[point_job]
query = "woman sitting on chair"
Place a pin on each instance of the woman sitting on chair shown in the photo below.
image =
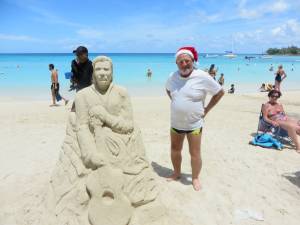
(274, 114)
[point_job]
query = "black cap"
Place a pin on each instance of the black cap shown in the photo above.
(80, 50)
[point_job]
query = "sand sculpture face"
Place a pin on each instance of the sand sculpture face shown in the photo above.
(102, 74)
(103, 176)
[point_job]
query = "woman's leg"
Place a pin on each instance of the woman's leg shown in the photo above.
(291, 127)
(277, 85)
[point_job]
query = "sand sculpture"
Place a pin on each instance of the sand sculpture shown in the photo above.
(103, 176)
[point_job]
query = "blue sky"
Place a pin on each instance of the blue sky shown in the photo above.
(148, 26)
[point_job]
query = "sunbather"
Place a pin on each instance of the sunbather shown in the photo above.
(274, 114)
(266, 87)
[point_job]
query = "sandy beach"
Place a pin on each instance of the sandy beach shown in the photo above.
(241, 183)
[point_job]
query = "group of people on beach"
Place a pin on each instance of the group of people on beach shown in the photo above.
(187, 89)
(82, 71)
(273, 111)
(280, 75)
(213, 73)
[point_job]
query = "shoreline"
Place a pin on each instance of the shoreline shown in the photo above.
(43, 94)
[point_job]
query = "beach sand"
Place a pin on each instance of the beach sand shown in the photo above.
(241, 183)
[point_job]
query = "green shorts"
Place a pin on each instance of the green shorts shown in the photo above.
(197, 131)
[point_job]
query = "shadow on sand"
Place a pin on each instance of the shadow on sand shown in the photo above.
(165, 172)
(294, 178)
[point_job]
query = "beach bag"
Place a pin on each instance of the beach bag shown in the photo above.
(266, 141)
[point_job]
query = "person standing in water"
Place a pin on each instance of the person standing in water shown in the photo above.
(280, 75)
(212, 71)
(149, 73)
(221, 80)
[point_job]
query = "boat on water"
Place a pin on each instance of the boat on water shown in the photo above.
(266, 57)
(230, 55)
(250, 57)
(210, 56)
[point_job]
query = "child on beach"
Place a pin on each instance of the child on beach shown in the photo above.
(232, 89)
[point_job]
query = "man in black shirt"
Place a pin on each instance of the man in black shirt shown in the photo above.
(82, 69)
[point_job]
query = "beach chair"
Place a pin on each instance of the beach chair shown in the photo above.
(277, 132)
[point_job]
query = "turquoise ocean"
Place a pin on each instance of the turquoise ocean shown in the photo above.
(27, 75)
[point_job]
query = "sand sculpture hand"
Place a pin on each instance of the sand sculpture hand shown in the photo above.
(97, 115)
(94, 160)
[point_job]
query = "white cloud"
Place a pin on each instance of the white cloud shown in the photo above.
(279, 6)
(290, 28)
(248, 37)
(277, 31)
(200, 16)
(259, 10)
(12, 37)
(44, 15)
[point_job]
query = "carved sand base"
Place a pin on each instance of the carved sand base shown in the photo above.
(105, 196)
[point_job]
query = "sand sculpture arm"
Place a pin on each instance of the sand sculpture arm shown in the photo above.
(122, 121)
(91, 158)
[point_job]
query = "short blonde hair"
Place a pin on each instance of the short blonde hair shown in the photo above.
(102, 58)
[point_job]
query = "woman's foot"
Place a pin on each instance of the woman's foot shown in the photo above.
(196, 184)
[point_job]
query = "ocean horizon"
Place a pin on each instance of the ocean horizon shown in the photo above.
(27, 74)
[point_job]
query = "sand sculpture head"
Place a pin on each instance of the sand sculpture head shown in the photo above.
(103, 73)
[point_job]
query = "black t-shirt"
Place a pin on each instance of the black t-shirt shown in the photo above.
(82, 73)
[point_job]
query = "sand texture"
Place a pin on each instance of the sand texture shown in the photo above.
(241, 183)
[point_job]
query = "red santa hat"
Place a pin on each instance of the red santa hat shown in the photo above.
(191, 51)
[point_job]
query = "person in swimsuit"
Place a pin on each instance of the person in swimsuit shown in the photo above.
(187, 89)
(221, 80)
(274, 114)
(280, 75)
(55, 87)
(212, 71)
